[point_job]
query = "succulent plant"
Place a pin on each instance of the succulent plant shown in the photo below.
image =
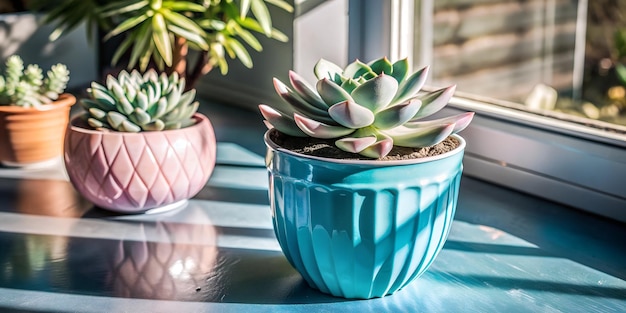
(135, 102)
(27, 87)
(368, 108)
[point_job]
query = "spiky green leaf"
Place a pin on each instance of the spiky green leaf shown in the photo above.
(126, 25)
(262, 14)
(184, 6)
(281, 4)
(240, 52)
(161, 38)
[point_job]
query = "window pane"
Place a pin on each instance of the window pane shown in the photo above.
(557, 56)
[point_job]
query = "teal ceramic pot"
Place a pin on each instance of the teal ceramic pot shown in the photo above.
(361, 229)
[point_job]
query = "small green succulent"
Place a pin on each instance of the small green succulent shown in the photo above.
(135, 102)
(27, 87)
(368, 108)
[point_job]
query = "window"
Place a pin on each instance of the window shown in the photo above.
(561, 157)
(569, 159)
(555, 57)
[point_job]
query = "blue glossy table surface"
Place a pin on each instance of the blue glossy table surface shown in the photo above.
(507, 252)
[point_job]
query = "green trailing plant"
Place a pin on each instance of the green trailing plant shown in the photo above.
(135, 102)
(160, 32)
(27, 86)
(367, 108)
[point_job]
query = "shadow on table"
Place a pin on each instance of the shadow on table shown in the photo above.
(555, 230)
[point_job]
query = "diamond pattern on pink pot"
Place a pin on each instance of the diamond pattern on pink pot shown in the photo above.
(135, 172)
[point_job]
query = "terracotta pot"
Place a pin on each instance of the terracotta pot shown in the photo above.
(136, 172)
(29, 135)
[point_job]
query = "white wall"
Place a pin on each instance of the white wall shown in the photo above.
(320, 31)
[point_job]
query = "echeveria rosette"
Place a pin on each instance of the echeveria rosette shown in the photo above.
(135, 102)
(368, 108)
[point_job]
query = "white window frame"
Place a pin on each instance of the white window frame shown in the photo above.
(566, 162)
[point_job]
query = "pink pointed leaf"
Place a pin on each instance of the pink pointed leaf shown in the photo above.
(376, 93)
(420, 137)
(461, 121)
(306, 92)
(397, 114)
(355, 145)
(411, 86)
(317, 129)
(300, 105)
(349, 114)
(379, 149)
(282, 122)
(434, 101)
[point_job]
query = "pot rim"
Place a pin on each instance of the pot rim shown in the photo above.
(64, 100)
(201, 119)
(272, 145)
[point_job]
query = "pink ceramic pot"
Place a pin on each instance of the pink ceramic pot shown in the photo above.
(136, 172)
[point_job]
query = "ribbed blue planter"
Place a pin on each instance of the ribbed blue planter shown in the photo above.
(362, 229)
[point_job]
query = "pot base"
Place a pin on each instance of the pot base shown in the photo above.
(168, 207)
(32, 165)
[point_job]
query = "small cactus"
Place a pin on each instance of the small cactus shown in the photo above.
(135, 102)
(28, 87)
(368, 108)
